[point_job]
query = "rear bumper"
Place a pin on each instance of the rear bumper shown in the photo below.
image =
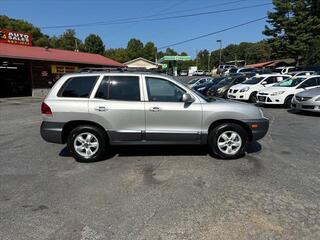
(259, 127)
(52, 131)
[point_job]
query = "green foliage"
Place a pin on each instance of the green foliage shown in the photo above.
(38, 38)
(134, 48)
(118, 54)
(149, 51)
(94, 44)
(294, 26)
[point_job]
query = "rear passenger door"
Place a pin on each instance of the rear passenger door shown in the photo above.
(117, 105)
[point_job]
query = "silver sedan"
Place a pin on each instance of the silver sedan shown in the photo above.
(307, 100)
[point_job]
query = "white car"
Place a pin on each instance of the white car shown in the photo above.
(194, 82)
(285, 70)
(281, 93)
(247, 90)
(302, 73)
(198, 73)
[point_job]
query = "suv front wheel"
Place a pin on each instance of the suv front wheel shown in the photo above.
(87, 144)
(228, 141)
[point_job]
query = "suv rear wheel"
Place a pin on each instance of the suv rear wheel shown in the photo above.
(87, 143)
(228, 141)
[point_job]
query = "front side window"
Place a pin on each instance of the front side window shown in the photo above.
(125, 88)
(78, 87)
(161, 90)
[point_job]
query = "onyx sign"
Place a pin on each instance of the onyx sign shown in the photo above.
(13, 37)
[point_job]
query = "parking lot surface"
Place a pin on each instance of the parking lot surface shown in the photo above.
(177, 192)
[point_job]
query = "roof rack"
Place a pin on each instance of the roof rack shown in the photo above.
(90, 70)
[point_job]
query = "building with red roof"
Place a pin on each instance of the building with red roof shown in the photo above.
(27, 70)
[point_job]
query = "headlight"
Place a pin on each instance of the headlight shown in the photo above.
(200, 89)
(244, 89)
(277, 93)
(318, 99)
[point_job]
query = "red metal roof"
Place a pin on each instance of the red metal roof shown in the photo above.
(55, 55)
(261, 65)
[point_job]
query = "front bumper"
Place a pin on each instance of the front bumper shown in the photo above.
(238, 95)
(268, 99)
(259, 127)
(52, 131)
(310, 105)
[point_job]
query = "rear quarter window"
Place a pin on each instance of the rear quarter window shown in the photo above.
(78, 87)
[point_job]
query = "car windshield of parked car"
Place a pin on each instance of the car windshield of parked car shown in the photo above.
(203, 96)
(291, 82)
(216, 80)
(253, 80)
(226, 81)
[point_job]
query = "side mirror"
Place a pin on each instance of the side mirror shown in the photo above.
(186, 97)
(264, 83)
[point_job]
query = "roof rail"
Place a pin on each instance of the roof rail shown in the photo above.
(89, 70)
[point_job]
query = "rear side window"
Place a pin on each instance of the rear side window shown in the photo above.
(125, 88)
(78, 87)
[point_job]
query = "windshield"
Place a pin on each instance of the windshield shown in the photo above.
(226, 81)
(253, 80)
(291, 82)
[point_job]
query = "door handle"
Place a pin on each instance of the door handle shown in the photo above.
(101, 109)
(155, 109)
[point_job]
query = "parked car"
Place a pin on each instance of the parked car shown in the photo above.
(246, 70)
(222, 68)
(198, 73)
(282, 93)
(302, 73)
(248, 89)
(221, 89)
(308, 100)
(184, 73)
(230, 71)
(197, 81)
(91, 112)
(207, 73)
(203, 88)
(284, 70)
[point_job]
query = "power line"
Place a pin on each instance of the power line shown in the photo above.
(149, 18)
(212, 33)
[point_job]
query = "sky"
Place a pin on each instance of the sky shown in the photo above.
(163, 32)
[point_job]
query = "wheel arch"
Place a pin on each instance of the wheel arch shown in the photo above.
(69, 126)
(234, 121)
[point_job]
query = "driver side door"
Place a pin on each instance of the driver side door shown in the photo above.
(168, 118)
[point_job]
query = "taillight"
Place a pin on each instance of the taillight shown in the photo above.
(45, 109)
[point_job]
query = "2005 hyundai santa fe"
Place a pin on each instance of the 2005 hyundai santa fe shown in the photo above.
(92, 111)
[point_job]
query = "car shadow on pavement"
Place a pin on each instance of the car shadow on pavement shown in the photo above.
(162, 150)
(304, 113)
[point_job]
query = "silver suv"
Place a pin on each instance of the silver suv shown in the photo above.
(93, 111)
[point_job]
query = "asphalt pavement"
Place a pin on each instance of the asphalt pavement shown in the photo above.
(154, 192)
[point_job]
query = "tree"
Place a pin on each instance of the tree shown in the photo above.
(134, 48)
(94, 44)
(149, 51)
(67, 41)
(118, 54)
(294, 25)
(38, 38)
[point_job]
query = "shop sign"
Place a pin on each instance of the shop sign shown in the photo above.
(13, 37)
(62, 69)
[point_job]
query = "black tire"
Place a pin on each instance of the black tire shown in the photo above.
(214, 137)
(287, 102)
(253, 97)
(99, 136)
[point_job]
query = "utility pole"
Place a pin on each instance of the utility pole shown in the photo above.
(197, 58)
(220, 41)
(75, 40)
(209, 61)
